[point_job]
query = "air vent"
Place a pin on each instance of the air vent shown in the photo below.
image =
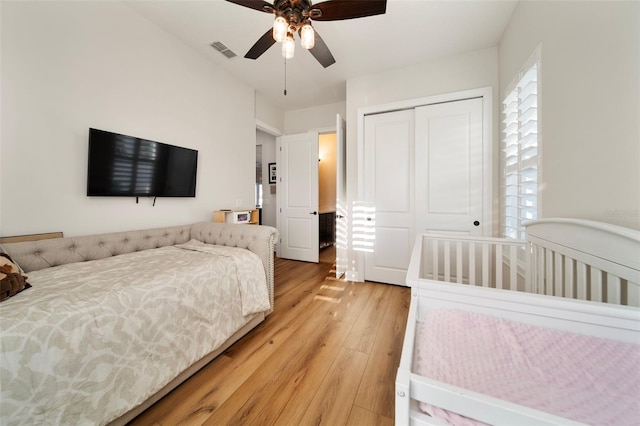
(223, 49)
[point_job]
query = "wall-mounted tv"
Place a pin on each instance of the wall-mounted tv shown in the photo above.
(126, 166)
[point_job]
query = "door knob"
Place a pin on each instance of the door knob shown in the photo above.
(339, 216)
(314, 213)
(476, 223)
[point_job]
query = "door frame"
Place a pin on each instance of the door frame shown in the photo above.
(342, 215)
(486, 93)
(319, 131)
(302, 255)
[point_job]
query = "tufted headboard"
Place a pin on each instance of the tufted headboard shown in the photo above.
(35, 255)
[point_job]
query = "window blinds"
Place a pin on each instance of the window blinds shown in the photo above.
(520, 152)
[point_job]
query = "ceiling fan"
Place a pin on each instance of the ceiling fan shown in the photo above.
(293, 16)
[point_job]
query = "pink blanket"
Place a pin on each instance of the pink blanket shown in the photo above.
(586, 379)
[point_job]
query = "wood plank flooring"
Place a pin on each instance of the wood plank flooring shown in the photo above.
(328, 355)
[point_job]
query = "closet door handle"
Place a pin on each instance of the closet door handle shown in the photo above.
(314, 213)
(476, 223)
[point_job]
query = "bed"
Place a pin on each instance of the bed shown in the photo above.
(123, 318)
(477, 303)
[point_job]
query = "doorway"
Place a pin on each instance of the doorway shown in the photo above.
(265, 191)
(308, 188)
(327, 162)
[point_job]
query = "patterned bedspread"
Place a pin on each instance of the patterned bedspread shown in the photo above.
(586, 379)
(92, 340)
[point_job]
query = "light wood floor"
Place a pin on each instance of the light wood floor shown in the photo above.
(327, 355)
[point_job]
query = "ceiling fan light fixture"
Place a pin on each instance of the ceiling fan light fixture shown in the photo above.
(307, 36)
(288, 47)
(280, 28)
(290, 16)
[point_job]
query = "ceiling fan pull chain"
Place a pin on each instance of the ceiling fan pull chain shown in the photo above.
(285, 76)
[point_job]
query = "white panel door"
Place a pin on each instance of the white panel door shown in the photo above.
(389, 188)
(297, 189)
(341, 197)
(449, 172)
(449, 169)
(423, 172)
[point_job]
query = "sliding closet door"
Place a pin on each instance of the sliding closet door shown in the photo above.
(423, 172)
(388, 189)
(449, 169)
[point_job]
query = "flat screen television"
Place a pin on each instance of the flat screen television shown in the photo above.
(126, 166)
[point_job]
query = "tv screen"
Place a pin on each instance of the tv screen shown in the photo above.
(122, 166)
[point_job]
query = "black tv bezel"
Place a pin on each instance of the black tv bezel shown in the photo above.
(134, 194)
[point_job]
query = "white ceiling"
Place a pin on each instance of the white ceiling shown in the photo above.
(410, 32)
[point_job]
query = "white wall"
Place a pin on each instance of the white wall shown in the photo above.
(590, 104)
(1, 121)
(68, 66)
(311, 119)
(270, 124)
(268, 115)
(471, 70)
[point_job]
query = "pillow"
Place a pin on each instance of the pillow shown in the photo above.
(12, 281)
(3, 250)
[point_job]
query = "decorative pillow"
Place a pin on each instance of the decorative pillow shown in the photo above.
(3, 250)
(12, 281)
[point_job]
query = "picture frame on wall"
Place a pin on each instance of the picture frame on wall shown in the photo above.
(272, 173)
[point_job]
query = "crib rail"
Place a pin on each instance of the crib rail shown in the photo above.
(482, 261)
(561, 257)
(558, 274)
(585, 260)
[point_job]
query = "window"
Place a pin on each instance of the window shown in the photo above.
(520, 152)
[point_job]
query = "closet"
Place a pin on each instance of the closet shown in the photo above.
(425, 169)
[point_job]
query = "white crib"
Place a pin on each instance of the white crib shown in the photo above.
(561, 257)
(574, 259)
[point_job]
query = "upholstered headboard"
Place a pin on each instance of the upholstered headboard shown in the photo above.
(35, 255)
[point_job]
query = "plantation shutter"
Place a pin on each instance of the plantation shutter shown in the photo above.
(520, 152)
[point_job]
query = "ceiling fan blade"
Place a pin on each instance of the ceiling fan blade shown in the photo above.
(335, 10)
(261, 46)
(260, 5)
(321, 52)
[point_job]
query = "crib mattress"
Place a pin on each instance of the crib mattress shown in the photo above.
(586, 379)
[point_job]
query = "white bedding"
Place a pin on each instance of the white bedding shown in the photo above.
(583, 378)
(92, 340)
